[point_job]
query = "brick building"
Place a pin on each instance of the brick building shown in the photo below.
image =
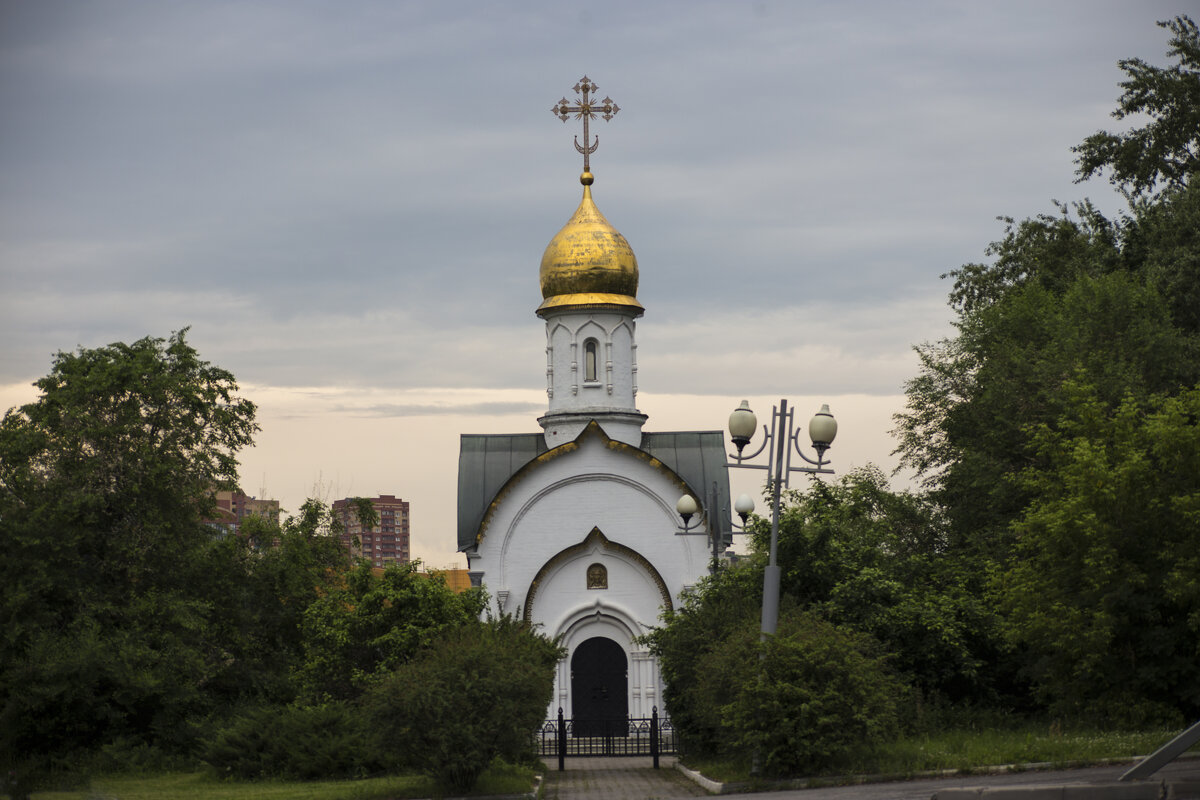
(387, 542)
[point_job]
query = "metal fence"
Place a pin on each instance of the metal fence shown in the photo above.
(625, 736)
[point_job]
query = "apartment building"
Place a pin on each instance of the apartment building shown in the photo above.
(387, 542)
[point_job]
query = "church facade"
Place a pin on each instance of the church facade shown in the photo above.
(574, 528)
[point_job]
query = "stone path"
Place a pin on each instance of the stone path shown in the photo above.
(617, 779)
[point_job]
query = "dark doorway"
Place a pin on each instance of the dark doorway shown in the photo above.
(599, 688)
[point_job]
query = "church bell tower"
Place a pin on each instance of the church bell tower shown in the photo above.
(589, 280)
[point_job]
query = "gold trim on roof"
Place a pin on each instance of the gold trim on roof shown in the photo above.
(590, 299)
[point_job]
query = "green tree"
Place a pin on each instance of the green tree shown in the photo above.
(104, 483)
(1075, 300)
(270, 574)
(708, 615)
(1104, 594)
(1166, 149)
(867, 579)
(880, 562)
(479, 693)
(373, 623)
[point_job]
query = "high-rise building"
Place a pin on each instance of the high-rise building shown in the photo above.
(384, 543)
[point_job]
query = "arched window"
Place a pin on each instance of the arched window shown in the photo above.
(589, 360)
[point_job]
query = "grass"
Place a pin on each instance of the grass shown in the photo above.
(968, 749)
(503, 779)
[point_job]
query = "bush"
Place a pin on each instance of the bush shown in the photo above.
(295, 742)
(480, 693)
(720, 605)
(818, 693)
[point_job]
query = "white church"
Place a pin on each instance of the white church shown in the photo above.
(574, 528)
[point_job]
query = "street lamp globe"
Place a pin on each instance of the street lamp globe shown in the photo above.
(822, 429)
(686, 506)
(744, 505)
(742, 425)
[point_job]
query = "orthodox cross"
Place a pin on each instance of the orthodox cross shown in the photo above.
(587, 109)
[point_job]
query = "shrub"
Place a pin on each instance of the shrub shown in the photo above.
(478, 694)
(721, 604)
(296, 742)
(818, 693)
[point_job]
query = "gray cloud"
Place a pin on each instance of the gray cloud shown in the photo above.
(429, 409)
(359, 194)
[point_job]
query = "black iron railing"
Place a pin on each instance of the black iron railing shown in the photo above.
(624, 736)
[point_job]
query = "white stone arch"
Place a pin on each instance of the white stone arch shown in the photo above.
(596, 548)
(591, 328)
(598, 618)
(665, 509)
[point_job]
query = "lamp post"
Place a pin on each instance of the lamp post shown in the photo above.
(783, 438)
(687, 507)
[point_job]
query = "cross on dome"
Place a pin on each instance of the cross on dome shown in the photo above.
(586, 110)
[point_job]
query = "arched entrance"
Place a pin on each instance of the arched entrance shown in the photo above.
(599, 687)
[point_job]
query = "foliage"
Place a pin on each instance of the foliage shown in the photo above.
(1063, 296)
(1053, 428)
(294, 742)
(1103, 593)
(801, 700)
(1167, 149)
(273, 573)
(360, 631)
(880, 562)
(707, 616)
(478, 694)
(108, 601)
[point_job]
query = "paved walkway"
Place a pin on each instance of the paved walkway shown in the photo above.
(617, 779)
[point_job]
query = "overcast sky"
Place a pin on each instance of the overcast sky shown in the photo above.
(348, 201)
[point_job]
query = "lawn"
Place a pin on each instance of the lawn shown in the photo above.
(202, 786)
(967, 749)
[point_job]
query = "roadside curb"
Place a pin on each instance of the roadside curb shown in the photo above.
(707, 784)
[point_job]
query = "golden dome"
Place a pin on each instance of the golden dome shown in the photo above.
(588, 262)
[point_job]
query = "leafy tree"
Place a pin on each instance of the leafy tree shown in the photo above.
(359, 632)
(107, 609)
(880, 562)
(270, 574)
(800, 701)
(708, 615)
(1104, 592)
(1167, 149)
(479, 693)
(867, 578)
(1077, 319)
